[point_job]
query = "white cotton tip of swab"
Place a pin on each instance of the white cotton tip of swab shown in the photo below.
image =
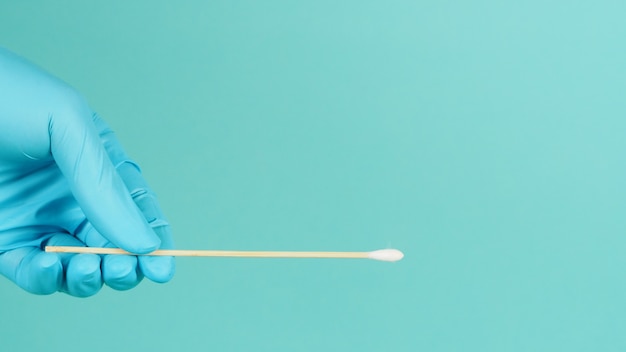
(386, 255)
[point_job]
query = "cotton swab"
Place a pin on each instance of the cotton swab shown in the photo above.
(386, 255)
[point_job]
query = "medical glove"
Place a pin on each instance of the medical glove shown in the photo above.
(66, 181)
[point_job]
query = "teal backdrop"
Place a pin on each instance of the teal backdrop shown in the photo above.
(485, 139)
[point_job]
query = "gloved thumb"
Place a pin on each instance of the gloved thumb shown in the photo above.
(93, 180)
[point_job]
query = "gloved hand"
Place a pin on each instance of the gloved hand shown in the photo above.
(65, 180)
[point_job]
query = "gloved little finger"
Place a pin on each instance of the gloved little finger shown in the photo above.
(33, 270)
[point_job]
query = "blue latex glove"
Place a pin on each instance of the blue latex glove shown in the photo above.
(65, 180)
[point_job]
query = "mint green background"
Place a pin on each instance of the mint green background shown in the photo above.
(485, 139)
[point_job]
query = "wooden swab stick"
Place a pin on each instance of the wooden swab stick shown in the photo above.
(387, 255)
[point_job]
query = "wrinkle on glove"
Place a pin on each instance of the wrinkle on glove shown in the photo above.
(66, 180)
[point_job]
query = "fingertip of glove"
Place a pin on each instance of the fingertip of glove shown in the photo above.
(143, 247)
(158, 269)
(47, 261)
(144, 241)
(83, 275)
(44, 275)
(120, 272)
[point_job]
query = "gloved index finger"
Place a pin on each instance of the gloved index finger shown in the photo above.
(99, 190)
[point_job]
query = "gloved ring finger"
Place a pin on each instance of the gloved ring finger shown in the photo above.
(83, 277)
(120, 272)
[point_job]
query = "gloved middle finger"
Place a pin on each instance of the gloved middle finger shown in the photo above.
(120, 272)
